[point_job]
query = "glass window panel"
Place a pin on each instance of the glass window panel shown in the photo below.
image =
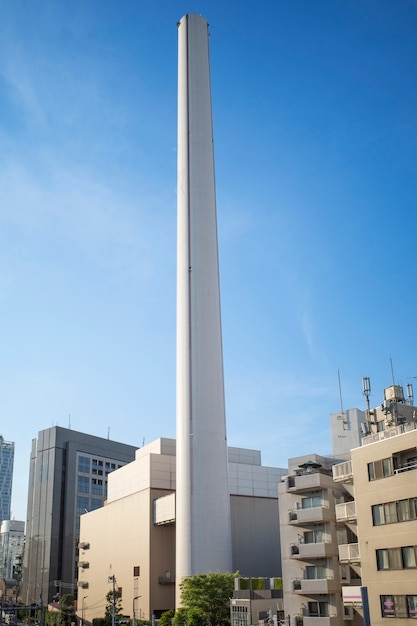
(409, 556)
(390, 510)
(387, 467)
(84, 464)
(403, 510)
(371, 471)
(400, 604)
(395, 561)
(387, 606)
(413, 508)
(82, 504)
(382, 559)
(412, 606)
(378, 514)
(83, 484)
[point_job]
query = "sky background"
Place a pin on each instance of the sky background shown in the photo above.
(315, 131)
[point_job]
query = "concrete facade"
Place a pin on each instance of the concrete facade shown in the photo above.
(6, 477)
(203, 506)
(384, 491)
(12, 542)
(68, 475)
(134, 533)
(349, 529)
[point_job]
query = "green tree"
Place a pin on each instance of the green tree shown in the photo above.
(166, 618)
(113, 599)
(205, 598)
(67, 609)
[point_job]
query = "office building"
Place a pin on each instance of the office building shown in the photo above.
(68, 475)
(12, 542)
(6, 477)
(203, 508)
(131, 540)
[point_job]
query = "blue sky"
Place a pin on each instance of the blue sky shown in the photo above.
(315, 132)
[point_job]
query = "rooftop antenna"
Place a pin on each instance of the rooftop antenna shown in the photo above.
(69, 421)
(340, 392)
(366, 390)
(410, 393)
(392, 371)
(108, 432)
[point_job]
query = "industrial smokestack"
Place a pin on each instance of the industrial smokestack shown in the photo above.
(203, 529)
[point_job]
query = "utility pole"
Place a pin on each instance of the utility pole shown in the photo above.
(112, 579)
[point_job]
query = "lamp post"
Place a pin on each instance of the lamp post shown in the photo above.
(83, 610)
(134, 617)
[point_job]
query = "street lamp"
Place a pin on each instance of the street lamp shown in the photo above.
(83, 610)
(134, 618)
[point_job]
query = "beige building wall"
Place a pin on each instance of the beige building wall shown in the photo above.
(400, 486)
(312, 576)
(136, 529)
(122, 536)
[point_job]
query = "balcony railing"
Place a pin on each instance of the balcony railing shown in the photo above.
(342, 471)
(390, 432)
(314, 514)
(349, 553)
(346, 511)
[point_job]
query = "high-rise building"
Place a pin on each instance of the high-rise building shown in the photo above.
(6, 477)
(203, 530)
(68, 476)
(12, 541)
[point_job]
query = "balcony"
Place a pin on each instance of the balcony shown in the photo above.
(308, 516)
(346, 511)
(309, 481)
(315, 586)
(316, 550)
(310, 620)
(349, 553)
(342, 472)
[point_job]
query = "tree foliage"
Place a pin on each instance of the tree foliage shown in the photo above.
(166, 618)
(205, 598)
(113, 599)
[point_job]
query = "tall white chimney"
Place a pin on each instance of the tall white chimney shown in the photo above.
(203, 529)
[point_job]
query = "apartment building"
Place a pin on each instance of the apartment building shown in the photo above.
(312, 574)
(349, 529)
(381, 480)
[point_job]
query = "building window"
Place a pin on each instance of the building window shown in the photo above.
(84, 464)
(95, 504)
(96, 489)
(314, 536)
(409, 557)
(392, 512)
(318, 609)
(82, 504)
(396, 558)
(312, 502)
(380, 469)
(399, 606)
(83, 485)
(315, 572)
